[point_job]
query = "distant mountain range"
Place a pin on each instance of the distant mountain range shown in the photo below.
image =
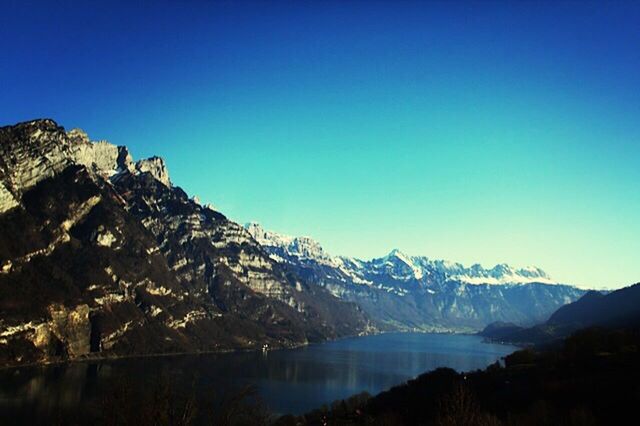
(403, 267)
(102, 256)
(405, 292)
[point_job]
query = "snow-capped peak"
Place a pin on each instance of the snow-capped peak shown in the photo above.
(420, 266)
(499, 274)
(397, 264)
(415, 271)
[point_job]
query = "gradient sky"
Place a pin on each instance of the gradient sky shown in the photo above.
(475, 132)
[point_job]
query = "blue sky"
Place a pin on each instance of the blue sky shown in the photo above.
(477, 132)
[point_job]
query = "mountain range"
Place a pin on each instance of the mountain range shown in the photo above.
(402, 292)
(104, 256)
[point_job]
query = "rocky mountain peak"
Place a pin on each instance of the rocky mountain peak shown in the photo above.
(307, 247)
(533, 272)
(78, 136)
(29, 153)
(397, 253)
(398, 264)
(501, 269)
(42, 124)
(299, 247)
(156, 167)
(35, 150)
(256, 230)
(101, 157)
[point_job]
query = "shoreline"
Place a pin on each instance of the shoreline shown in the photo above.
(85, 359)
(109, 358)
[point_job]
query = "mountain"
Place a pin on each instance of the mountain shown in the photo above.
(498, 331)
(617, 309)
(396, 263)
(103, 256)
(402, 292)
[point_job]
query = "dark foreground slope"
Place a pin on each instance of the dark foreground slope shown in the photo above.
(101, 256)
(592, 379)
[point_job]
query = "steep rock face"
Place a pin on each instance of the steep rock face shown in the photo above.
(71, 326)
(30, 153)
(100, 157)
(414, 292)
(7, 200)
(188, 234)
(199, 243)
(98, 257)
(156, 167)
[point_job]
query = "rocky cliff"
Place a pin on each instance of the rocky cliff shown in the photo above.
(103, 256)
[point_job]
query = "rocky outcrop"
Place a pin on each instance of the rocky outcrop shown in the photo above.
(64, 332)
(30, 153)
(156, 167)
(70, 326)
(101, 157)
(7, 200)
(36, 150)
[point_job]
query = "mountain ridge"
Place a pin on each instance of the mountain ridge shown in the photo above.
(101, 256)
(501, 273)
(417, 293)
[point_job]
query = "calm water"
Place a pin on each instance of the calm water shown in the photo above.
(288, 381)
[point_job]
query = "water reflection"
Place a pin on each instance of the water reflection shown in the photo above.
(290, 381)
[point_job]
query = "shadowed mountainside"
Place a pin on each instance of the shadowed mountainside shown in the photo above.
(101, 256)
(619, 308)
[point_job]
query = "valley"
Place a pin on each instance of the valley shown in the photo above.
(106, 257)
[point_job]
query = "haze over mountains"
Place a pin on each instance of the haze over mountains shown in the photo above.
(415, 266)
(619, 309)
(103, 256)
(417, 293)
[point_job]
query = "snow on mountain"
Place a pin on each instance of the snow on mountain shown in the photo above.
(396, 264)
(403, 292)
(300, 247)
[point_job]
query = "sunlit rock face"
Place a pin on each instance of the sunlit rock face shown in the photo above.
(72, 327)
(403, 292)
(31, 152)
(7, 199)
(101, 157)
(102, 256)
(156, 167)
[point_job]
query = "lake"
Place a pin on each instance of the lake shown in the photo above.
(288, 381)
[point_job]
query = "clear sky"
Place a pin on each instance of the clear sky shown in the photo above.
(476, 132)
